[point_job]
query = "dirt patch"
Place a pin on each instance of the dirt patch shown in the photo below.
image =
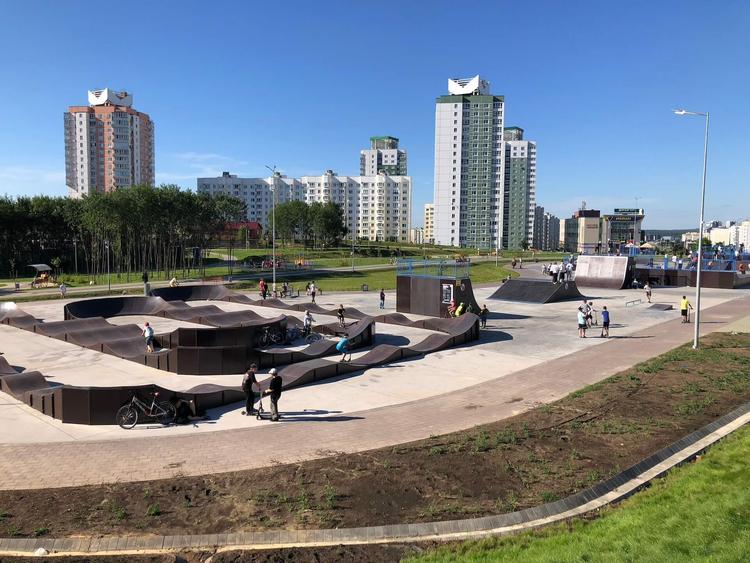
(536, 457)
(373, 553)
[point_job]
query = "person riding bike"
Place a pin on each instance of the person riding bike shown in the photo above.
(307, 322)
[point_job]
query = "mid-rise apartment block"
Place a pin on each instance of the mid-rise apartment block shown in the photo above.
(383, 157)
(469, 156)
(376, 207)
(519, 193)
(108, 144)
(429, 223)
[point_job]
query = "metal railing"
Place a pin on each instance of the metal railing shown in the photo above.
(433, 268)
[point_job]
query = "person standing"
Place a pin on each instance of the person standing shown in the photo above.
(382, 298)
(148, 334)
(569, 271)
(340, 314)
(581, 323)
(307, 322)
(344, 347)
(685, 307)
(313, 290)
(605, 322)
(263, 288)
(647, 287)
(63, 290)
(274, 389)
(483, 316)
(247, 386)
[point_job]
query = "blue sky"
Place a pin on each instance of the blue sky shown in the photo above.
(303, 85)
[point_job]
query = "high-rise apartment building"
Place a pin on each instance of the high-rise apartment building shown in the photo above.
(383, 157)
(519, 193)
(108, 144)
(546, 230)
(429, 223)
(375, 207)
(485, 174)
(469, 157)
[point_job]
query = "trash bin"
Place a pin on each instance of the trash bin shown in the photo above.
(365, 287)
(147, 289)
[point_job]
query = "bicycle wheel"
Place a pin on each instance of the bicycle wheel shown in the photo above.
(170, 413)
(127, 417)
(274, 337)
(313, 337)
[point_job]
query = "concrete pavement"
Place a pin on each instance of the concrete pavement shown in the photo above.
(444, 392)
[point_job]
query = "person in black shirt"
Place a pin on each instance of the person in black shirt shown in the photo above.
(274, 389)
(247, 386)
(483, 316)
(340, 314)
(382, 298)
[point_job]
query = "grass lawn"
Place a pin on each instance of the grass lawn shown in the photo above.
(483, 272)
(698, 512)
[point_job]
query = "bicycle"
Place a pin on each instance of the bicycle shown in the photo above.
(269, 337)
(292, 334)
(311, 336)
(163, 411)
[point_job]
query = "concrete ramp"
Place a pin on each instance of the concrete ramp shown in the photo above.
(610, 272)
(536, 291)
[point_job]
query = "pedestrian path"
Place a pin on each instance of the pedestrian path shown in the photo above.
(34, 466)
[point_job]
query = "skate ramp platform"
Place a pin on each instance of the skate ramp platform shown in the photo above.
(536, 291)
(609, 272)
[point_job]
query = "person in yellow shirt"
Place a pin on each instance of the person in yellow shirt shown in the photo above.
(685, 306)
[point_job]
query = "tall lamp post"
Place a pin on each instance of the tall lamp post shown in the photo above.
(109, 276)
(273, 222)
(696, 336)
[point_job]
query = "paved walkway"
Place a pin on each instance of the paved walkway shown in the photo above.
(95, 462)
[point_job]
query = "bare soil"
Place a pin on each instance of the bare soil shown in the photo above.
(536, 457)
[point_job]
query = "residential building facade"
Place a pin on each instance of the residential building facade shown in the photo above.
(519, 193)
(108, 144)
(546, 230)
(429, 223)
(383, 157)
(376, 208)
(469, 156)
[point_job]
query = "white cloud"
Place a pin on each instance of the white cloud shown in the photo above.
(26, 180)
(186, 167)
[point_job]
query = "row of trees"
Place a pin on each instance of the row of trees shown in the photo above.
(143, 228)
(321, 223)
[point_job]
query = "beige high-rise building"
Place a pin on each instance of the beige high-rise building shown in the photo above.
(428, 229)
(108, 144)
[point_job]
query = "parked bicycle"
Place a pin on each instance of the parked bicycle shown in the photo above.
(269, 336)
(128, 414)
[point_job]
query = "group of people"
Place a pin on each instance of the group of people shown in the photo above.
(254, 392)
(559, 272)
(587, 319)
(286, 290)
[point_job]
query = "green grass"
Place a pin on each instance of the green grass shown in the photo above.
(483, 272)
(700, 512)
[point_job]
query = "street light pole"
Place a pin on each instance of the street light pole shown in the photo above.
(109, 277)
(696, 335)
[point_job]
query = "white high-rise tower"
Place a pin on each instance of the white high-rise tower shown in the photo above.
(469, 165)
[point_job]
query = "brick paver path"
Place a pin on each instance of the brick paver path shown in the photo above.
(78, 463)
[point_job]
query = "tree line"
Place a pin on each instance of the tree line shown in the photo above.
(321, 224)
(129, 231)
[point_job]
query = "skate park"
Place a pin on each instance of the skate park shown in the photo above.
(520, 336)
